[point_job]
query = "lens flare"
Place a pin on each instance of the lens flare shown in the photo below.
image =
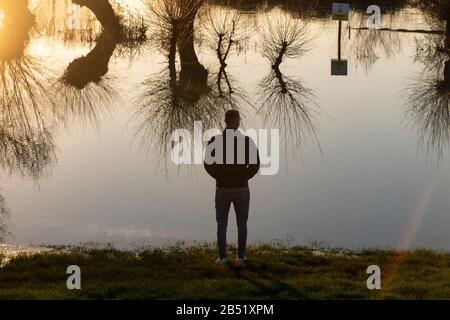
(414, 223)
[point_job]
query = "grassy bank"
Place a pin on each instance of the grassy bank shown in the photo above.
(271, 273)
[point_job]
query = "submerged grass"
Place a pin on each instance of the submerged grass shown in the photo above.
(271, 273)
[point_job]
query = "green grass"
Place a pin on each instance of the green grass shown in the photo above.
(271, 273)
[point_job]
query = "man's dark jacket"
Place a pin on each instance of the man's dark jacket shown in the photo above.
(234, 174)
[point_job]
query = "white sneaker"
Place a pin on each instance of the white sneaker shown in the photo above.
(221, 261)
(241, 260)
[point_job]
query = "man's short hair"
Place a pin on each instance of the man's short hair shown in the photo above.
(232, 116)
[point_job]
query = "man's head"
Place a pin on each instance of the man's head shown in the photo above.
(232, 119)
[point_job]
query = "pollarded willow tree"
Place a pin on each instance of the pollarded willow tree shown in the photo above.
(26, 118)
(224, 30)
(104, 12)
(283, 36)
(172, 99)
(285, 102)
(84, 91)
(174, 31)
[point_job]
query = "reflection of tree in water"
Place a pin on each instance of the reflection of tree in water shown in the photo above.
(428, 96)
(169, 102)
(285, 102)
(283, 36)
(365, 47)
(437, 13)
(321, 7)
(85, 91)
(368, 46)
(230, 93)
(53, 17)
(174, 99)
(432, 52)
(174, 30)
(224, 31)
(26, 143)
(428, 107)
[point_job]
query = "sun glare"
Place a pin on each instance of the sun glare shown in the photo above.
(2, 17)
(39, 48)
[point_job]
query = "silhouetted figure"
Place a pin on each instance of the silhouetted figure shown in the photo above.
(232, 159)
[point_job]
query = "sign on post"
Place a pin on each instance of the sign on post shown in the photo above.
(340, 11)
(339, 67)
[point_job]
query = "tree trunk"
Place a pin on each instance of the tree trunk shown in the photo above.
(93, 66)
(103, 11)
(188, 56)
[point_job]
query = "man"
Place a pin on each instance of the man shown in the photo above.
(232, 159)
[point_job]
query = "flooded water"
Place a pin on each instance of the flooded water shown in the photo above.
(86, 118)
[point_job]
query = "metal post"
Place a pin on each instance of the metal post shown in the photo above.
(339, 39)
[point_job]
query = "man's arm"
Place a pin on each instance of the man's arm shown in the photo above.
(254, 162)
(210, 166)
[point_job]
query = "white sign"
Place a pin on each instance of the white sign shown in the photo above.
(339, 67)
(340, 11)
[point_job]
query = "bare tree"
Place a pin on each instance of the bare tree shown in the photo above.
(84, 91)
(168, 102)
(283, 36)
(286, 102)
(367, 46)
(176, 18)
(223, 30)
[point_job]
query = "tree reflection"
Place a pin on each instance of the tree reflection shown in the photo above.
(322, 7)
(85, 91)
(26, 142)
(174, 29)
(283, 37)
(224, 30)
(428, 107)
(286, 102)
(428, 96)
(52, 18)
(366, 46)
(174, 99)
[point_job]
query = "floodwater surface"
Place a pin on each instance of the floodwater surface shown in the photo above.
(87, 117)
